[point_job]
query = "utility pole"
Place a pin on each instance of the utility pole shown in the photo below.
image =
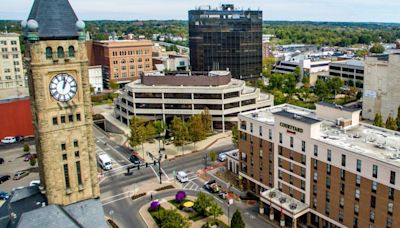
(159, 164)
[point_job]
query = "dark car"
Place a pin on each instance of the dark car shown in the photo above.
(19, 138)
(4, 195)
(4, 178)
(135, 159)
(211, 186)
(1, 161)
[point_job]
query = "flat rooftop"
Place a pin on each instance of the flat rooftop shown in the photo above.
(350, 62)
(365, 139)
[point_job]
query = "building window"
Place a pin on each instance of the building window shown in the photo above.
(341, 201)
(329, 155)
(303, 146)
(358, 180)
(315, 164)
(62, 119)
(389, 222)
(70, 118)
(66, 176)
(343, 160)
(373, 201)
(78, 172)
(76, 143)
(291, 166)
(358, 165)
(342, 174)
(391, 193)
(270, 134)
(60, 52)
(78, 117)
(49, 53)
(71, 51)
(390, 207)
(291, 142)
(328, 169)
(303, 172)
(63, 147)
(260, 131)
(315, 150)
(251, 127)
(315, 176)
(280, 161)
(392, 177)
(341, 215)
(64, 157)
(356, 208)
(280, 174)
(315, 203)
(291, 154)
(303, 159)
(315, 189)
(328, 182)
(342, 188)
(55, 121)
(374, 171)
(77, 154)
(357, 193)
(328, 196)
(372, 215)
(374, 186)
(280, 138)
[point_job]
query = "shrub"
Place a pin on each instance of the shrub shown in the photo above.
(165, 188)
(180, 196)
(26, 148)
(154, 205)
(32, 161)
(213, 156)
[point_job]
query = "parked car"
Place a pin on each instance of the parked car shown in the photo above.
(9, 140)
(222, 157)
(4, 195)
(135, 159)
(20, 174)
(4, 178)
(19, 138)
(1, 161)
(212, 186)
(34, 183)
(182, 177)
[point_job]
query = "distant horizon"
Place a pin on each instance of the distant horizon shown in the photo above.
(351, 11)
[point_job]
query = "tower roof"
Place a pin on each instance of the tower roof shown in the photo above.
(56, 19)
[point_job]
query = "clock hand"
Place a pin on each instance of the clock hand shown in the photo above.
(65, 82)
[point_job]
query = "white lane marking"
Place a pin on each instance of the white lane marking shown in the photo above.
(163, 171)
(119, 154)
(155, 172)
(110, 197)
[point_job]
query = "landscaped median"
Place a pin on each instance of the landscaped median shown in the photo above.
(185, 211)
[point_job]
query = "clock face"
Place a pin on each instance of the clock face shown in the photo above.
(63, 87)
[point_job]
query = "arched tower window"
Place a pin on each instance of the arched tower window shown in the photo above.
(71, 51)
(123, 61)
(49, 53)
(60, 52)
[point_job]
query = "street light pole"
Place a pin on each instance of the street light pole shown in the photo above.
(159, 164)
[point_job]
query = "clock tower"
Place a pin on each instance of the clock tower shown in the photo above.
(60, 96)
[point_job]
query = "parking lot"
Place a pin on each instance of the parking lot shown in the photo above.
(13, 156)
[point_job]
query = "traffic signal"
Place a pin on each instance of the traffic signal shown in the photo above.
(147, 164)
(154, 162)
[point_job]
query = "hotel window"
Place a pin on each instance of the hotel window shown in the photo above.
(315, 187)
(391, 193)
(291, 192)
(328, 182)
(303, 172)
(342, 174)
(280, 137)
(315, 203)
(280, 161)
(328, 196)
(390, 207)
(303, 146)
(357, 195)
(356, 208)
(260, 131)
(392, 177)
(303, 185)
(78, 172)
(374, 186)
(291, 154)
(66, 177)
(291, 167)
(374, 171)
(329, 155)
(315, 150)
(341, 201)
(372, 215)
(358, 165)
(290, 179)
(343, 160)
(280, 174)
(251, 127)
(358, 180)
(270, 134)
(342, 188)
(55, 121)
(303, 159)
(328, 169)
(373, 201)
(291, 141)
(315, 163)
(261, 152)
(315, 176)
(341, 215)
(389, 222)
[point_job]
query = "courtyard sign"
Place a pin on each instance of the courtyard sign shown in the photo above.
(292, 128)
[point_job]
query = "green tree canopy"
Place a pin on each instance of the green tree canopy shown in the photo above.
(215, 210)
(391, 123)
(202, 203)
(377, 48)
(235, 135)
(297, 73)
(321, 89)
(378, 121)
(179, 131)
(138, 134)
(334, 84)
(361, 53)
(237, 221)
(196, 129)
(206, 119)
(113, 85)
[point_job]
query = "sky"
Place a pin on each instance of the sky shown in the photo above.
(292, 10)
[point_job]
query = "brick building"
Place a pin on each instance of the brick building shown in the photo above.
(320, 168)
(15, 117)
(122, 60)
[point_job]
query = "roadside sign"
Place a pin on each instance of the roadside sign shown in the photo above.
(230, 201)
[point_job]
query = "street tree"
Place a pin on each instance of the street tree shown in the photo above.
(113, 85)
(237, 220)
(171, 219)
(26, 147)
(297, 73)
(378, 121)
(391, 123)
(202, 203)
(334, 84)
(150, 130)
(321, 89)
(215, 210)
(196, 129)
(179, 131)
(235, 135)
(213, 156)
(361, 53)
(206, 119)
(377, 48)
(138, 132)
(160, 127)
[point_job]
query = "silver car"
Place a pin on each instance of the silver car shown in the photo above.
(20, 174)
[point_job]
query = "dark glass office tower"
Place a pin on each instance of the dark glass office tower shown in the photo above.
(226, 38)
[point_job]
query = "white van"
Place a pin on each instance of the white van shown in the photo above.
(104, 161)
(182, 177)
(9, 140)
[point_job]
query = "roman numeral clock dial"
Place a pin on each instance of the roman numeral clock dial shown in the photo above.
(63, 87)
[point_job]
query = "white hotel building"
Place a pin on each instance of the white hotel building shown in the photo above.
(320, 168)
(184, 95)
